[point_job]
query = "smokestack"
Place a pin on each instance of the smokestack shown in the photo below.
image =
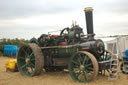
(89, 21)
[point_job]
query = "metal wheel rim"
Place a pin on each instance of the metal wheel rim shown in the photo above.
(90, 67)
(30, 60)
(26, 61)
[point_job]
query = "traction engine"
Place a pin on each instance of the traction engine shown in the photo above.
(83, 55)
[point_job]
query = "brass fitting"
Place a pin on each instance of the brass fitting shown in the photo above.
(88, 9)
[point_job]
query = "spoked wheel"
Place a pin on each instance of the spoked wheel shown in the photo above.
(30, 60)
(124, 68)
(108, 56)
(83, 67)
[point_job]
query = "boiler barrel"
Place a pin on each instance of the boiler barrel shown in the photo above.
(10, 50)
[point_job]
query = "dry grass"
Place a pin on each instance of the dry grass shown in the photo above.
(53, 78)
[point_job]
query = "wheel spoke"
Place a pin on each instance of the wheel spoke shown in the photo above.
(77, 73)
(23, 66)
(84, 60)
(31, 54)
(29, 65)
(32, 69)
(87, 60)
(108, 57)
(79, 61)
(90, 68)
(80, 57)
(24, 51)
(33, 59)
(88, 65)
(22, 58)
(86, 76)
(87, 70)
(104, 57)
(75, 62)
(32, 64)
(81, 75)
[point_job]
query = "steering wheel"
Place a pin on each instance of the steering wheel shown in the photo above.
(64, 32)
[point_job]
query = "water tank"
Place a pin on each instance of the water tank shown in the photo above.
(10, 50)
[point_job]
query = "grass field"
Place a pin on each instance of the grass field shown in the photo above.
(52, 78)
(1, 54)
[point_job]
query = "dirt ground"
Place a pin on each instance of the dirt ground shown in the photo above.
(52, 78)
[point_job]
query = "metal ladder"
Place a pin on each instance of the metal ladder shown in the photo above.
(114, 69)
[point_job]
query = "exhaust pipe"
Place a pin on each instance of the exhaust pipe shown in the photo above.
(89, 22)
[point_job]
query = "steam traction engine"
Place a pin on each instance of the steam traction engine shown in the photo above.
(81, 54)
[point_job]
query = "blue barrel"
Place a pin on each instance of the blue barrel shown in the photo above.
(126, 54)
(10, 50)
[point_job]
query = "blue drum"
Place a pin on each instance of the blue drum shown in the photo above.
(10, 50)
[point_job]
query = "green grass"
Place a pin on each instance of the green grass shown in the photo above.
(1, 54)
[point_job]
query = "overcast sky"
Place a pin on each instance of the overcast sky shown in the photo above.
(31, 18)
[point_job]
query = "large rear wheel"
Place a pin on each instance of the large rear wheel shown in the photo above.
(30, 60)
(83, 67)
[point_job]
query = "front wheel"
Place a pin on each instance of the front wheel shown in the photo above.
(30, 59)
(83, 67)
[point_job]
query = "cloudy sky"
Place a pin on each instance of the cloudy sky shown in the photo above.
(31, 18)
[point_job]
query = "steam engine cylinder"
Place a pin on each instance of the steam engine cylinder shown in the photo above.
(95, 47)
